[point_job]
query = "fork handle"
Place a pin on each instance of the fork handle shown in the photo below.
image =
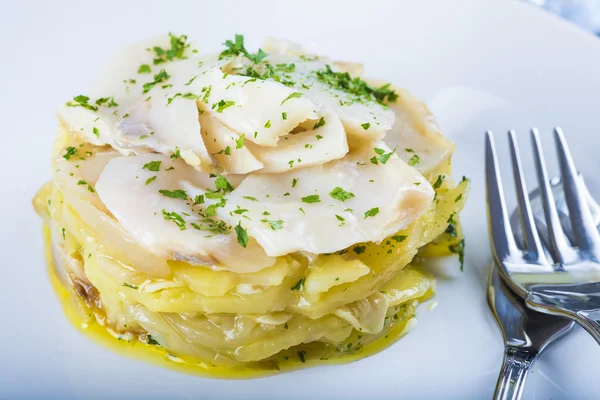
(515, 368)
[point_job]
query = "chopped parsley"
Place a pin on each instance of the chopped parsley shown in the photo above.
(458, 198)
(372, 212)
(294, 95)
(226, 151)
(319, 137)
(206, 91)
(189, 96)
(284, 116)
(178, 46)
(383, 156)
(439, 181)
(176, 218)
(82, 101)
(250, 198)
(236, 48)
(223, 184)
(451, 230)
(275, 224)
(314, 198)
(301, 355)
(175, 194)
(190, 81)
(451, 218)
(340, 194)
(161, 77)
(459, 249)
(222, 105)
(414, 160)
(268, 124)
(176, 154)
(84, 182)
(70, 151)
(399, 238)
(242, 235)
(108, 102)
(360, 90)
(152, 341)
(299, 285)
(366, 125)
(359, 249)
(129, 286)
(144, 69)
(153, 166)
(319, 123)
(294, 182)
(199, 199)
(150, 180)
(239, 142)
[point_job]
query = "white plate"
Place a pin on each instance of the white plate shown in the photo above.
(495, 66)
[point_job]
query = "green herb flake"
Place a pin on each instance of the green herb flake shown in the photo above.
(301, 355)
(366, 125)
(299, 285)
(359, 249)
(242, 235)
(439, 181)
(459, 249)
(414, 160)
(190, 81)
(82, 101)
(153, 166)
(223, 184)
(175, 218)
(360, 90)
(236, 47)
(311, 199)
(319, 123)
(372, 212)
(294, 95)
(340, 194)
(284, 116)
(96, 132)
(399, 238)
(176, 51)
(175, 194)
(150, 180)
(239, 142)
(294, 182)
(152, 341)
(250, 198)
(275, 224)
(129, 286)
(160, 77)
(108, 102)
(222, 105)
(176, 154)
(268, 124)
(144, 69)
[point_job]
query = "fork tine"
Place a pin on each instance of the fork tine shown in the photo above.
(533, 246)
(559, 247)
(584, 230)
(503, 242)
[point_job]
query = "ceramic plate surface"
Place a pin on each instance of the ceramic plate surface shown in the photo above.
(478, 65)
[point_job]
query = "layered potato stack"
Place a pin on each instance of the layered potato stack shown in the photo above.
(247, 211)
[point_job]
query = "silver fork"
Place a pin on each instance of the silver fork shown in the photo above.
(555, 276)
(527, 333)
